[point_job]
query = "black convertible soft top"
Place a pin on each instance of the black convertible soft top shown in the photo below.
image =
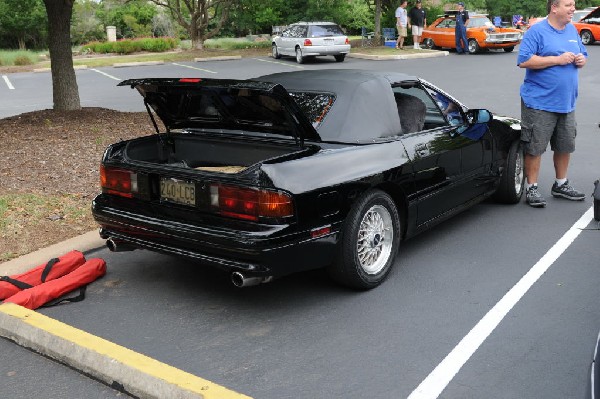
(364, 107)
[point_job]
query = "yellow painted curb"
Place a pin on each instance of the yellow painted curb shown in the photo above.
(113, 364)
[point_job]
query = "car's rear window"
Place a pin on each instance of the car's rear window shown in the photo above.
(324, 30)
(314, 105)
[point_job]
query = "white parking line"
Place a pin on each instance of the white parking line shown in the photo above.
(10, 86)
(280, 63)
(105, 74)
(191, 67)
(440, 377)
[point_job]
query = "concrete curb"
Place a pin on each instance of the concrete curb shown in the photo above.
(85, 242)
(399, 56)
(116, 366)
(48, 69)
(140, 63)
(219, 58)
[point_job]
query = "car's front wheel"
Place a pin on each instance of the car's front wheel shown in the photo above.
(369, 242)
(275, 52)
(428, 43)
(509, 49)
(510, 189)
(340, 57)
(473, 46)
(299, 56)
(587, 37)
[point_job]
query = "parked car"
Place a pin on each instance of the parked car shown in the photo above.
(589, 26)
(481, 34)
(309, 39)
(301, 170)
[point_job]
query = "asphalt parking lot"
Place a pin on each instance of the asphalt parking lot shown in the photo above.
(498, 302)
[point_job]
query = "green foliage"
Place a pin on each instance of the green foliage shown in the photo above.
(22, 23)
(86, 26)
(234, 44)
(131, 18)
(127, 46)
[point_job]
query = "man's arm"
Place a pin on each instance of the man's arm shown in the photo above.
(539, 62)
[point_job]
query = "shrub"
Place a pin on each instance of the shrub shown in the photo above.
(128, 46)
(23, 60)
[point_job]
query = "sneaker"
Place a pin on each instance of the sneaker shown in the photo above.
(567, 191)
(534, 198)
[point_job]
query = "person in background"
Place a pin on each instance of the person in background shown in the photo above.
(417, 20)
(460, 30)
(401, 22)
(552, 54)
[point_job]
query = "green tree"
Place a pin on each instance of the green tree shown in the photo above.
(202, 19)
(20, 20)
(85, 25)
(132, 18)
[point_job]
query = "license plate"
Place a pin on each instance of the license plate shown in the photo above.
(177, 191)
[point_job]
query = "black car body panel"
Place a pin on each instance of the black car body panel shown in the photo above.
(344, 133)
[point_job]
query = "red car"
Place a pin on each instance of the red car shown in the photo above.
(589, 27)
(481, 34)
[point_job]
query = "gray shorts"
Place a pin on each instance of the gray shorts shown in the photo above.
(538, 128)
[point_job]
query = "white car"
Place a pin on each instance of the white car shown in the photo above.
(309, 39)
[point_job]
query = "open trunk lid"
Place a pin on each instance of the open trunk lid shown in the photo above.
(224, 104)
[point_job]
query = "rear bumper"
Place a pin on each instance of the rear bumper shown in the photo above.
(325, 50)
(266, 253)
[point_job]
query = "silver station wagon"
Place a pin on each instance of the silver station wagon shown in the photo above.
(309, 39)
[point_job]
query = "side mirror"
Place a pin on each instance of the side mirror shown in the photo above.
(475, 116)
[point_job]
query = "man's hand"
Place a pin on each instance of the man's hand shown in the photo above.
(566, 58)
(579, 60)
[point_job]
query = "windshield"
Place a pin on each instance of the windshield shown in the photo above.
(480, 22)
(324, 31)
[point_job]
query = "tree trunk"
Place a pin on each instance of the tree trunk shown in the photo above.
(378, 38)
(65, 92)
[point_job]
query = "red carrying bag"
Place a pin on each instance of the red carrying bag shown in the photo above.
(35, 297)
(57, 267)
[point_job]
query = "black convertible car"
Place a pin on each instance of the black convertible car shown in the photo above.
(301, 170)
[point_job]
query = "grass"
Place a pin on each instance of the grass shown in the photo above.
(19, 57)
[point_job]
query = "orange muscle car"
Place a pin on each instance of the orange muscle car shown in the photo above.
(481, 34)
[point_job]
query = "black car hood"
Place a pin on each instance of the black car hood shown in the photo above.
(593, 14)
(225, 104)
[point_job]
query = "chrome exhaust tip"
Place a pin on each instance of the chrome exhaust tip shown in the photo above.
(118, 246)
(239, 280)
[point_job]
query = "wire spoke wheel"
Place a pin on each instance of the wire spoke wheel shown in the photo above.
(375, 238)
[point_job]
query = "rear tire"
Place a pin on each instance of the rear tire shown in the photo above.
(369, 241)
(512, 181)
(299, 58)
(340, 57)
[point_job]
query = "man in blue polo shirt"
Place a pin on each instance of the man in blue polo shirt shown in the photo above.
(552, 53)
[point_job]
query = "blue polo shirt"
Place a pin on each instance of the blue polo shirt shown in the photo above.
(552, 89)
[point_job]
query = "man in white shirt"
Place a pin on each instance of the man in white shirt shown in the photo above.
(401, 22)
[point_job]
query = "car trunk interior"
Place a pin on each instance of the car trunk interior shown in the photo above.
(205, 153)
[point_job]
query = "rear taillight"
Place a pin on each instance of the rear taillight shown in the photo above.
(307, 42)
(347, 41)
(118, 181)
(250, 204)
